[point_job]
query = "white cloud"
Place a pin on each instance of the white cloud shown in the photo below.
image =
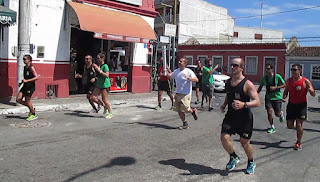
(299, 6)
(257, 11)
(302, 29)
(282, 22)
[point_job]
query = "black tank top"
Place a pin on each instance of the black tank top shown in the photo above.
(28, 74)
(236, 93)
(90, 74)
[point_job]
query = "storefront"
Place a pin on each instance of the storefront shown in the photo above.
(122, 36)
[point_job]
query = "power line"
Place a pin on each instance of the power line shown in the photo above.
(258, 16)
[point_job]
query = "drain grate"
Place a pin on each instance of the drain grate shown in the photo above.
(32, 124)
(51, 91)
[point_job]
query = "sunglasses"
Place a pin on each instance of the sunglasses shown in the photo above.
(24, 59)
(268, 68)
(234, 65)
(294, 69)
(87, 58)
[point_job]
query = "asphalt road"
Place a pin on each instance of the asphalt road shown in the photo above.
(142, 144)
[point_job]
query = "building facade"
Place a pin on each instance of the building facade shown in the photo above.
(57, 28)
(256, 56)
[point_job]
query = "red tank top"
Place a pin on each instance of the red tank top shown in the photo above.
(163, 77)
(297, 91)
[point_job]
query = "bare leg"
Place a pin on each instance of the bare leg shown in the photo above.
(182, 116)
(159, 97)
(95, 95)
(290, 124)
(91, 102)
(171, 96)
(247, 147)
(299, 129)
(210, 101)
(226, 143)
(105, 100)
(29, 104)
(19, 99)
(197, 93)
(270, 118)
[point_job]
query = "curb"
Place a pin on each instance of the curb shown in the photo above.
(59, 107)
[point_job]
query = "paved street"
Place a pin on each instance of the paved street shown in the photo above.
(142, 144)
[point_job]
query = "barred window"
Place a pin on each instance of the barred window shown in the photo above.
(315, 72)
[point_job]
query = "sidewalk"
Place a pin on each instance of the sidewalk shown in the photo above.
(77, 102)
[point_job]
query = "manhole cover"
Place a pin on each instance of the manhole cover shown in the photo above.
(31, 124)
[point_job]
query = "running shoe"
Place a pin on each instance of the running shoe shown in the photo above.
(232, 163)
(250, 168)
(297, 146)
(172, 108)
(158, 108)
(105, 110)
(281, 118)
(195, 113)
(109, 116)
(271, 130)
(210, 109)
(196, 102)
(32, 117)
(93, 111)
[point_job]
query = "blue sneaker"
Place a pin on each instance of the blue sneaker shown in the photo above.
(232, 163)
(250, 168)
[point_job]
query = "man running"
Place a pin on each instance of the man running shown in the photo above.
(297, 86)
(273, 98)
(184, 78)
(30, 76)
(241, 96)
(89, 80)
(207, 81)
(164, 85)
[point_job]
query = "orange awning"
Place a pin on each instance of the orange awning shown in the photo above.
(113, 25)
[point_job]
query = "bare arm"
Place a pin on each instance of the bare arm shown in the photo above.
(214, 69)
(225, 103)
(100, 72)
(194, 79)
(310, 88)
(286, 90)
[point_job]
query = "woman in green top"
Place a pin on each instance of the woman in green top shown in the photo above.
(103, 85)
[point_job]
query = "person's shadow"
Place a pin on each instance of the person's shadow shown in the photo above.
(119, 161)
(155, 125)
(194, 169)
(266, 145)
(80, 114)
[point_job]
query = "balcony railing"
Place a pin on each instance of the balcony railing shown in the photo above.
(167, 19)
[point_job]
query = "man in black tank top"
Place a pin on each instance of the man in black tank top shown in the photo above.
(89, 81)
(241, 96)
(30, 76)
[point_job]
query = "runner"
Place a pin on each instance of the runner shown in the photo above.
(103, 85)
(164, 85)
(30, 76)
(241, 96)
(273, 98)
(184, 78)
(297, 86)
(207, 82)
(89, 80)
(198, 72)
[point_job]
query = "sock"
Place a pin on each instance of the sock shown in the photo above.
(272, 126)
(250, 161)
(233, 155)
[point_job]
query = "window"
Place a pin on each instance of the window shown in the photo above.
(40, 52)
(189, 60)
(235, 34)
(217, 60)
(230, 58)
(258, 36)
(251, 65)
(315, 72)
(202, 58)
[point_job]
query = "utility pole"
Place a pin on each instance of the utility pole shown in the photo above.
(174, 38)
(23, 37)
(261, 16)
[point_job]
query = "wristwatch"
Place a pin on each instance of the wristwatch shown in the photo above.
(245, 105)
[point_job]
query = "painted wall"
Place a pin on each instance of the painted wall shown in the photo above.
(261, 51)
(247, 35)
(306, 63)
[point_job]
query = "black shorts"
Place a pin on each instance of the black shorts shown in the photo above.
(207, 89)
(164, 86)
(296, 111)
(275, 104)
(89, 89)
(240, 123)
(27, 90)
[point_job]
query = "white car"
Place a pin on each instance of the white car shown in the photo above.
(219, 79)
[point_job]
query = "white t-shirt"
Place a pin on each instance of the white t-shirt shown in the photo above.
(184, 86)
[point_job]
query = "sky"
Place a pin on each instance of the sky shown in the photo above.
(300, 23)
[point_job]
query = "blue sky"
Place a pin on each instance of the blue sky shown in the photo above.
(302, 24)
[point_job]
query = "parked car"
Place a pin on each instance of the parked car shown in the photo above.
(219, 79)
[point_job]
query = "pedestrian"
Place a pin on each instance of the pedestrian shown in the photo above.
(29, 77)
(241, 96)
(297, 87)
(103, 85)
(198, 72)
(184, 78)
(89, 81)
(273, 98)
(164, 85)
(207, 81)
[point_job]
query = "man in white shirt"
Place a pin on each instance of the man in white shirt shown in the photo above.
(184, 78)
